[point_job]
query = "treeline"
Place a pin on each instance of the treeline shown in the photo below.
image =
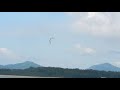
(60, 72)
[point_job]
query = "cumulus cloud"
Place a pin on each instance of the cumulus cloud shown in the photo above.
(10, 56)
(7, 53)
(84, 50)
(97, 23)
(89, 50)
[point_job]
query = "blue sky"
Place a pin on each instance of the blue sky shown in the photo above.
(81, 39)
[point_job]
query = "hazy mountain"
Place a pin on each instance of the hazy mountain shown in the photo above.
(23, 65)
(1, 66)
(105, 67)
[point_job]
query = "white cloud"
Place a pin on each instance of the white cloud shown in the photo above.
(7, 54)
(5, 51)
(84, 50)
(97, 23)
(89, 50)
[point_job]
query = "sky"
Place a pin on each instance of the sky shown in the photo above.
(81, 39)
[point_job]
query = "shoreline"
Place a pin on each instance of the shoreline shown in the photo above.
(17, 76)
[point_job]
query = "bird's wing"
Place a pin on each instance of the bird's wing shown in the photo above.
(51, 39)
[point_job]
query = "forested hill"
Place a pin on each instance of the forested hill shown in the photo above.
(60, 72)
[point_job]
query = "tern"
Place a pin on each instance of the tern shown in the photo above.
(50, 40)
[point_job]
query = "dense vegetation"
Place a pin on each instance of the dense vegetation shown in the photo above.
(60, 72)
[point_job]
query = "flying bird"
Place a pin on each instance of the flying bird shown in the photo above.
(50, 40)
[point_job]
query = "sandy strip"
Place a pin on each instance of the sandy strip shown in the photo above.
(15, 76)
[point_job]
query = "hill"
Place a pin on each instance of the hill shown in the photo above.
(23, 65)
(105, 67)
(59, 72)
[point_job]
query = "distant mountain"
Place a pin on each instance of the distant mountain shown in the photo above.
(23, 65)
(105, 67)
(1, 66)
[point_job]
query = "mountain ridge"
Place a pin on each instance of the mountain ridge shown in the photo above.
(105, 67)
(22, 65)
